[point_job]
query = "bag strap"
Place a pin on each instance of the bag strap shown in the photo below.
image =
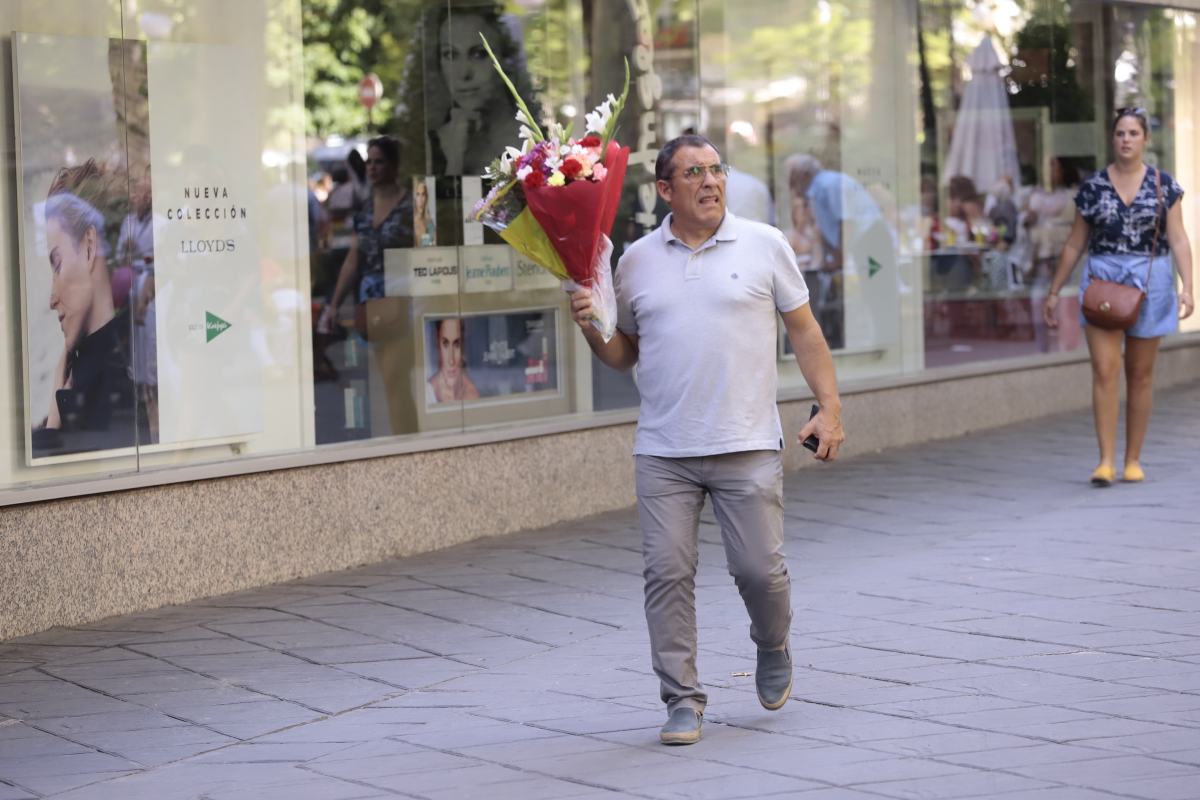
(1158, 199)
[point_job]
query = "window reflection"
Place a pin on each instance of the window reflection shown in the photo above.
(921, 159)
(999, 177)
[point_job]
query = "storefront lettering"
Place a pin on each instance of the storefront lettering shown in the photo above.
(486, 272)
(649, 91)
(435, 272)
(185, 213)
(204, 246)
(205, 193)
(188, 214)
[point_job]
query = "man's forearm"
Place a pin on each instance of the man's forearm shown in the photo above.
(618, 352)
(816, 364)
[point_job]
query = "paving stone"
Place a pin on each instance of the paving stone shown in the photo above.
(33, 743)
(951, 742)
(1103, 773)
(741, 784)
(8, 792)
(948, 787)
(247, 720)
(58, 783)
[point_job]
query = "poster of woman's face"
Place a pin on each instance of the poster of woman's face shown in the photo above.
(424, 211)
(491, 356)
(86, 243)
(469, 112)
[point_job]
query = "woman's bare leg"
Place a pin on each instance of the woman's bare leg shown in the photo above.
(1105, 349)
(1140, 355)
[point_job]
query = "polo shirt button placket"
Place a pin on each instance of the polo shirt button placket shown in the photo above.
(693, 267)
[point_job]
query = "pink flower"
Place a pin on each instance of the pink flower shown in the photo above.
(599, 171)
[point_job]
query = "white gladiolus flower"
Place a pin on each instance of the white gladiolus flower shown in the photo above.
(523, 172)
(506, 161)
(597, 121)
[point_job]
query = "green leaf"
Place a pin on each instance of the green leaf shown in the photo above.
(537, 131)
(611, 127)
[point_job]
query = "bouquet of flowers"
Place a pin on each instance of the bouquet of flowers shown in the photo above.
(554, 199)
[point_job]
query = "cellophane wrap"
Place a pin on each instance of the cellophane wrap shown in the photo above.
(600, 282)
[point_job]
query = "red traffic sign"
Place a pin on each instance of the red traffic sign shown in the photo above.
(370, 89)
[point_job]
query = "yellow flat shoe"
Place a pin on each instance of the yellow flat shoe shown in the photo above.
(1133, 473)
(1103, 476)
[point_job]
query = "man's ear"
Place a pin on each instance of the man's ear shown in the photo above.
(664, 190)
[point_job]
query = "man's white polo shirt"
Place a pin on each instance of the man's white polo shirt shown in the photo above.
(705, 322)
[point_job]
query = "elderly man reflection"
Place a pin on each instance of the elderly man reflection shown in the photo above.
(135, 247)
(92, 371)
(451, 381)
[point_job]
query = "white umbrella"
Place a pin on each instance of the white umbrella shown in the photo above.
(983, 146)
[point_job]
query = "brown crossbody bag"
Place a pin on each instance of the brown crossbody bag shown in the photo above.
(1115, 306)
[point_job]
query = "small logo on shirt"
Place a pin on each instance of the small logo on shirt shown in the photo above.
(733, 275)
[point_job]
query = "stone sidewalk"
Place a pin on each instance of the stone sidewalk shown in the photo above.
(971, 620)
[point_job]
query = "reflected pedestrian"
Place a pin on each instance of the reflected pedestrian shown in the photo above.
(384, 223)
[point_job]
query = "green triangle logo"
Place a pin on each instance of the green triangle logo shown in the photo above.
(873, 266)
(214, 326)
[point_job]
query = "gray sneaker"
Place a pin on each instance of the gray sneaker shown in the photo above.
(773, 678)
(683, 727)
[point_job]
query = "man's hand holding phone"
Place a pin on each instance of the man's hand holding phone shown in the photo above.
(823, 433)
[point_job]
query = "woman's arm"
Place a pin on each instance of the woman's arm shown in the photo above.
(345, 279)
(1177, 237)
(1072, 250)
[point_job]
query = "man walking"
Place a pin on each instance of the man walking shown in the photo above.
(696, 302)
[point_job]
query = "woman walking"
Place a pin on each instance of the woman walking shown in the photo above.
(1120, 216)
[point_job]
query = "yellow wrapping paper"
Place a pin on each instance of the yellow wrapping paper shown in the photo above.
(527, 238)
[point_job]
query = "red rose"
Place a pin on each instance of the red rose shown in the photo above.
(535, 179)
(590, 141)
(571, 168)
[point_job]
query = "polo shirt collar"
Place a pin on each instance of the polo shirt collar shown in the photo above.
(727, 232)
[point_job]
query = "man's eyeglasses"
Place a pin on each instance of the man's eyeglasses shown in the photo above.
(696, 174)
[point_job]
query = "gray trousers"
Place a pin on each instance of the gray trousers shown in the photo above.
(747, 496)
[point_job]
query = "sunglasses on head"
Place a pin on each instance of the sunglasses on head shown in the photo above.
(1136, 111)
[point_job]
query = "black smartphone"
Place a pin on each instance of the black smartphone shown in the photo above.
(812, 442)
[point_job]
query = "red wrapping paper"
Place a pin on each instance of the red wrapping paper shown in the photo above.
(575, 215)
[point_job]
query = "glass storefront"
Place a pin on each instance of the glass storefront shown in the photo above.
(239, 227)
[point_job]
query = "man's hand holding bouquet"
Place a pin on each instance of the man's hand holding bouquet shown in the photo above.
(555, 198)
